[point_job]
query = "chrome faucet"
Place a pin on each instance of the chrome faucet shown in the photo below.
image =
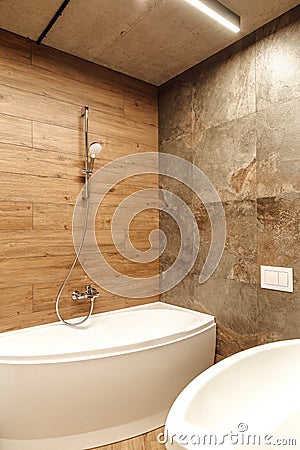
(90, 292)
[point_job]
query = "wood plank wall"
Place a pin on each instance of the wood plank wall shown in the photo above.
(42, 92)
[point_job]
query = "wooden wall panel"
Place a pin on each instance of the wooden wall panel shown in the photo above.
(31, 270)
(18, 301)
(42, 92)
(52, 216)
(15, 48)
(75, 68)
(15, 131)
(43, 163)
(35, 243)
(33, 188)
(31, 106)
(16, 216)
(57, 138)
(62, 88)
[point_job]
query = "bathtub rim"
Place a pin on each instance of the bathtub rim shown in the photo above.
(176, 419)
(199, 327)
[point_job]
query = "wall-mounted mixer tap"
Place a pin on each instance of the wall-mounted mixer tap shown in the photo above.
(90, 292)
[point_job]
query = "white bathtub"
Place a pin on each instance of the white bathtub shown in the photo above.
(248, 401)
(116, 377)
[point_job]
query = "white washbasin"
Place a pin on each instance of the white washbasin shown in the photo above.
(250, 400)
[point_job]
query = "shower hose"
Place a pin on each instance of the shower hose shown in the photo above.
(75, 324)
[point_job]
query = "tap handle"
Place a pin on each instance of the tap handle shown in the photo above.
(91, 290)
(75, 295)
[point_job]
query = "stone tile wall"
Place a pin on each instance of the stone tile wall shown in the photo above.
(237, 117)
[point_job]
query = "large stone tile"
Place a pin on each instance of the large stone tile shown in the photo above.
(230, 342)
(226, 154)
(181, 295)
(224, 86)
(177, 177)
(278, 156)
(175, 109)
(177, 188)
(177, 147)
(183, 257)
(166, 260)
(279, 231)
(179, 242)
(278, 131)
(241, 228)
(279, 314)
(278, 60)
(180, 149)
(221, 274)
(169, 226)
(234, 304)
(239, 260)
(232, 266)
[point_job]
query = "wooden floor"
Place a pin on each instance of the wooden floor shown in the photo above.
(146, 441)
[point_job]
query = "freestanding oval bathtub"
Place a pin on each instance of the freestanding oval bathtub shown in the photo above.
(114, 378)
(250, 400)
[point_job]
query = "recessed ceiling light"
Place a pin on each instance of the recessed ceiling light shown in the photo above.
(218, 12)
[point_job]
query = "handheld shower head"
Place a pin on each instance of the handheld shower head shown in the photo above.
(95, 149)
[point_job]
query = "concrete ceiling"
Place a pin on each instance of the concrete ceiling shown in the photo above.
(27, 18)
(153, 40)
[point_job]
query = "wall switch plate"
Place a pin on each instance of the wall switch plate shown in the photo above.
(276, 278)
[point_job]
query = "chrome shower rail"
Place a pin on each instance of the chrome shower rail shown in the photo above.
(91, 293)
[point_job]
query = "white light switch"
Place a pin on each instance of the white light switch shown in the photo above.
(283, 279)
(277, 278)
(272, 277)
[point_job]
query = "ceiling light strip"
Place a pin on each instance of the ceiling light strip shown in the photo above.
(218, 12)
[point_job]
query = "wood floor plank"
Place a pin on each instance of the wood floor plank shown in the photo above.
(147, 441)
(151, 440)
